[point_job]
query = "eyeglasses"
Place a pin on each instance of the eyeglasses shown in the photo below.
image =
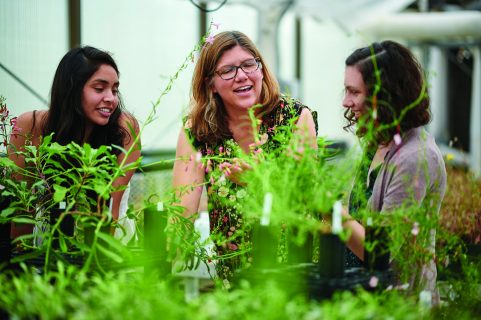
(248, 66)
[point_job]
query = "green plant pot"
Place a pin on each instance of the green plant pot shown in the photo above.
(265, 242)
(155, 242)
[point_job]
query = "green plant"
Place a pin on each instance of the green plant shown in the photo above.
(77, 176)
(304, 185)
(68, 293)
(75, 181)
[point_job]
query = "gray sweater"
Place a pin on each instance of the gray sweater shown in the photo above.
(413, 174)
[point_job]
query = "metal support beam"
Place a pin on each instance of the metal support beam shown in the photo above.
(74, 23)
(298, 48)
(202, 20)
(475, 124)
(438, 81)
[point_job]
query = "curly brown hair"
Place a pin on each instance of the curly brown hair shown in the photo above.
(395, 87)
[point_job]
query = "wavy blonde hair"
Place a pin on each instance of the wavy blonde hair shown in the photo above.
(208, 117)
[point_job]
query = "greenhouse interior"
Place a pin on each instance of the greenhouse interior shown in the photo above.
(275, 159)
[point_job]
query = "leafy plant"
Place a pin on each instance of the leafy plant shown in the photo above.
(304, 185)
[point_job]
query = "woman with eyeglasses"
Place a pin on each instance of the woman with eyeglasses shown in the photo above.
(230, 78)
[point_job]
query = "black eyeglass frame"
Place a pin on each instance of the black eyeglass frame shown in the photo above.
(257, 60)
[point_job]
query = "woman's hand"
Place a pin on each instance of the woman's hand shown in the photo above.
(233, 170)
(356, 240)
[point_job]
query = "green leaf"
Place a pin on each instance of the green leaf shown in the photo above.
(46, 139)
(111, 241)
(23, 220)
(63, 245)
(87, 150)
(102, 190)
(27, 256)
(5, 162)
(60, 193)
(113, 256)
(120, 148)
(7, 212)
(31, 149)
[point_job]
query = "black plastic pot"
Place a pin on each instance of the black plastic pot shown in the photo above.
(299, 253)
(66, 225)
(331, 256)
(378, 258)
(5, 241)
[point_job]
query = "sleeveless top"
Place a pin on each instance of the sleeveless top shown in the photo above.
(225, 219)
(127, 225)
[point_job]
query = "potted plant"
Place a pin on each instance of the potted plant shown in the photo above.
(65, 194)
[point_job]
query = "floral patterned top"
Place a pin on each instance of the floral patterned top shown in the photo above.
(231, 235)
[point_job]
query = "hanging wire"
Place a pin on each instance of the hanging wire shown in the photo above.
(208, 10)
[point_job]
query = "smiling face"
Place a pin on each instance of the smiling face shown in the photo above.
(100, 96)
(244, 90)
(355, 91)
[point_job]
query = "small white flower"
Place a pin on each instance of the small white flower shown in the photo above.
(446, 262)
(241, 193)
(415, 229)
(397, 139)
(198, 157)
(226, 284)
(223, 192)
(403, 286)
(425, 298)
(2, 187)
(373, 282)
(221, 180)
(232, 198)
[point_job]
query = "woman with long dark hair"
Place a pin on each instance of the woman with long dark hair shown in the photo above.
(85, 107)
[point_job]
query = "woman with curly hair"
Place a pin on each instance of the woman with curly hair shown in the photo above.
(386, 101)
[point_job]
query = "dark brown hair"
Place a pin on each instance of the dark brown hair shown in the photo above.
(394, 71)
(66, 117)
